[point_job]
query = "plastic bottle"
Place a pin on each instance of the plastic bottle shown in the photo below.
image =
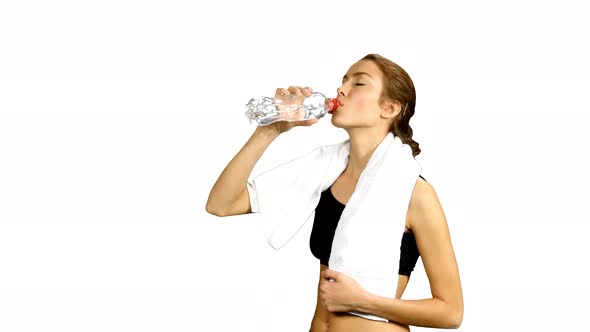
(263, 111)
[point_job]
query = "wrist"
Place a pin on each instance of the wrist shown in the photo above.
(267, 132)
(364, 302)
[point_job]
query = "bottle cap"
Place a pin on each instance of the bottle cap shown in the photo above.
(333, 102)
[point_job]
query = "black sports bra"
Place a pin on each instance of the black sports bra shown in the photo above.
(327, 215)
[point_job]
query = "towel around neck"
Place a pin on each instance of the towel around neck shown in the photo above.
(366, 240)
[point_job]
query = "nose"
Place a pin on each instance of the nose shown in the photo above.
(341, 91)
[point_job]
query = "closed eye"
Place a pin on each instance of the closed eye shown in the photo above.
(358, 84)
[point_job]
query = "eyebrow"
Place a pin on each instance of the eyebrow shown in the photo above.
(344, 78)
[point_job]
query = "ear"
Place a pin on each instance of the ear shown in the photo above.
(391, 109)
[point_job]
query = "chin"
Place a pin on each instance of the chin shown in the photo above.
(336, 123)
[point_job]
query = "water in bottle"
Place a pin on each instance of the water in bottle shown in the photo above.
(263, 111)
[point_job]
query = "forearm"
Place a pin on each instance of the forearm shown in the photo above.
(433, 312)
(233, 180)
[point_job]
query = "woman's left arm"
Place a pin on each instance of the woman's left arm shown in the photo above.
(445, 308)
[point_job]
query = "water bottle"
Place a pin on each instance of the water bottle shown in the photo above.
(263, 111)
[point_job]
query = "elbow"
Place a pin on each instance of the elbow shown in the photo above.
(211, 210)
(456, 318)
(219, 212)
(450, 317)
(212, 213)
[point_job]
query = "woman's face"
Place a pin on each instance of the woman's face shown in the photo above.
(359, 97)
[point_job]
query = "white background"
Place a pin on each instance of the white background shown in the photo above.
(117, 117)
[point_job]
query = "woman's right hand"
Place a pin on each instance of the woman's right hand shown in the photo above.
(292, 92)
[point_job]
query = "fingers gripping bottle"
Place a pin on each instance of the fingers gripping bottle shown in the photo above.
(263, 111)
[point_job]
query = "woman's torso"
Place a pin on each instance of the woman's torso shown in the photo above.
(325, 321)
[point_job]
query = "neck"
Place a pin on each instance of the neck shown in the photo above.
(362, 145)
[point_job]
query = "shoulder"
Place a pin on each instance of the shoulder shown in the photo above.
(422, 194)
(422, 187)
(424, 203)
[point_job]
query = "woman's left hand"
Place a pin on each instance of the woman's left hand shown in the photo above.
(342, 293)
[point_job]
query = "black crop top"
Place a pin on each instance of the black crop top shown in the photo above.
(327, 215)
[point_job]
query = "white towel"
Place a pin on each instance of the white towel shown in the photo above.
(367, 240)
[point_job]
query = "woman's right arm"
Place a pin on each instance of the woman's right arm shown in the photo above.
(229, 195)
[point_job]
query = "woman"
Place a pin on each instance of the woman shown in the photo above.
(376, 97)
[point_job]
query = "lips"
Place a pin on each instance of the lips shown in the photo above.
(339, 106)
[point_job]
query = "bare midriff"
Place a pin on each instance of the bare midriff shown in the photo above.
(326, 321)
